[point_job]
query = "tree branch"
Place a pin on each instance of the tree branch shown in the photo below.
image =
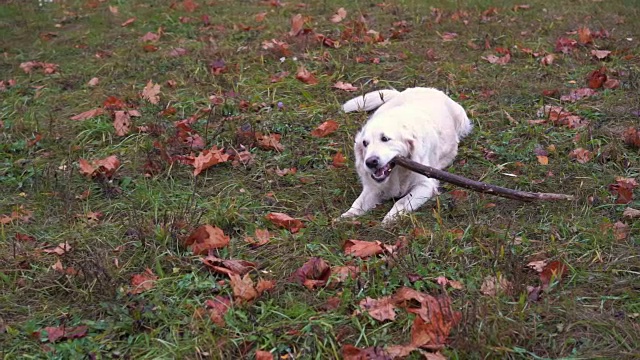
(476, 185)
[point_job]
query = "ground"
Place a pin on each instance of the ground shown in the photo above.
(124, 283)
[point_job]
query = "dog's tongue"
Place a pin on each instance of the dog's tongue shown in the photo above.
(380, 172)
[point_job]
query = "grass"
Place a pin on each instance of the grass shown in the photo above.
(592, 313)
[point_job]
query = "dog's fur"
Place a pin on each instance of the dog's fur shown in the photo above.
(422, 124)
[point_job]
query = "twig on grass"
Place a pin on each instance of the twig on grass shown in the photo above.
(477, 185)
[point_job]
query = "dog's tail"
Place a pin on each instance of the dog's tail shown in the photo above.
(370, 101)
(462, 122)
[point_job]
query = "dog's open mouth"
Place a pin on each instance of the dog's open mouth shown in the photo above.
(383, 172)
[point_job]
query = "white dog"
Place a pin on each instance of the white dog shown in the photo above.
(422, 124)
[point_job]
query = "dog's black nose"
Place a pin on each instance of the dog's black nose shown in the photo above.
(372, 162)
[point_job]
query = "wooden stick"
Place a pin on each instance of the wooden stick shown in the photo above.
(476, 185)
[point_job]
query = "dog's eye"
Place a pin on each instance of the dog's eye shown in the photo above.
(384, 138)
(365, 143)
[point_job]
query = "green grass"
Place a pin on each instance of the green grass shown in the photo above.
(592, 313)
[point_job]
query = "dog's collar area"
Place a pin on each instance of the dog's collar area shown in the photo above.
(383, 172)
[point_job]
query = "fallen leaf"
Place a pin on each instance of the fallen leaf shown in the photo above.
(228, 266)
(584, 35)
(284, 172)
(631, 213)
(623, 187)
(325, 129)
(297, 22)
(65, 332)
(93, 82)
(312, 274)
(339, 160)
(205, 238)
(262, 237)
(537, 265)
(150, 92)
(122, 123)
(112, 103)
(350, 352)
(443, 281)
(113, 9)
(341, 274)
(189, 5)
(380, 309)
(243, 288)
(269, 141)
(209, 158)
(264, 285)
(492, 285)
(553, 270)
(218, 67)
(279, 76)
(263, 355)
(59, 250)
(632, 136)
(611, 84)
(105, 167)
(578, 94)
(88, 114)
(345, 86)
(340, 15)
(285, 221)
(543, 160)
(621, 230)
(547, 59)
(581, 155)
(306, 76)
(259, 17)
(600, 54)
(128, 22)
(217, 307)
(565, 45)
(498, 60)
(142, 282)
(449, 36)
(175, 52)
(362, 249)
(151, 37)
(597, 78)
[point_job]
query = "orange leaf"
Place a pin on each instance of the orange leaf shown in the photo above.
(632, 136)
(208, 158)
(306, 76)
(339, 160)
(543, 160)
(325, 129)
(205, 238)
(142, 282)
(122, 123)
(362, 249)
(189, 5)
(128, 22)
(106, 167)
(312, 274)
(88, 114)
(285, 221)
(263, 355)
(584, 35)
(260, 16)
(243, 288)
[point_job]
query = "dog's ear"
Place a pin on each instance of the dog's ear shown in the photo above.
(411, 146)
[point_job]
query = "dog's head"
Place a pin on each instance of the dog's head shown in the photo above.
(376, 146)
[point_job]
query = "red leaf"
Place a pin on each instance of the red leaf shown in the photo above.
(112, 103)
(623, 187)
(325, 129)
(285, 221)
(279, 76)
(305, 76)
(189, 5)
(597, 78)
(555, 269)
(312, 274)
(205, 238)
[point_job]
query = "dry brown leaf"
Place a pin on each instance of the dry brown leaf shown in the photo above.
(94, 82)
(151, 37)
(205, 238)
(553, 270)
(631, 213)
(263, 355)
(581, 155)
(297, 22)
(578, 94)
(128, 22)
(340, 15)
(88, 114)
(285, 221)
(59, 250)
(269, 141)
(243, 289)
(228, 266)
(325, 129)
(621, 230)
(498, 60)
(600, 54)
(339, 160)
(362, 249)
(122, 123)
(306, 76)
(208, 158)
(217, 307)
(105, 167)
(492, 285)
(262, 237)
(380, 309)
(312, 274)
(345, 86)
(150, 92)
(543, 160)
(142, 282)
